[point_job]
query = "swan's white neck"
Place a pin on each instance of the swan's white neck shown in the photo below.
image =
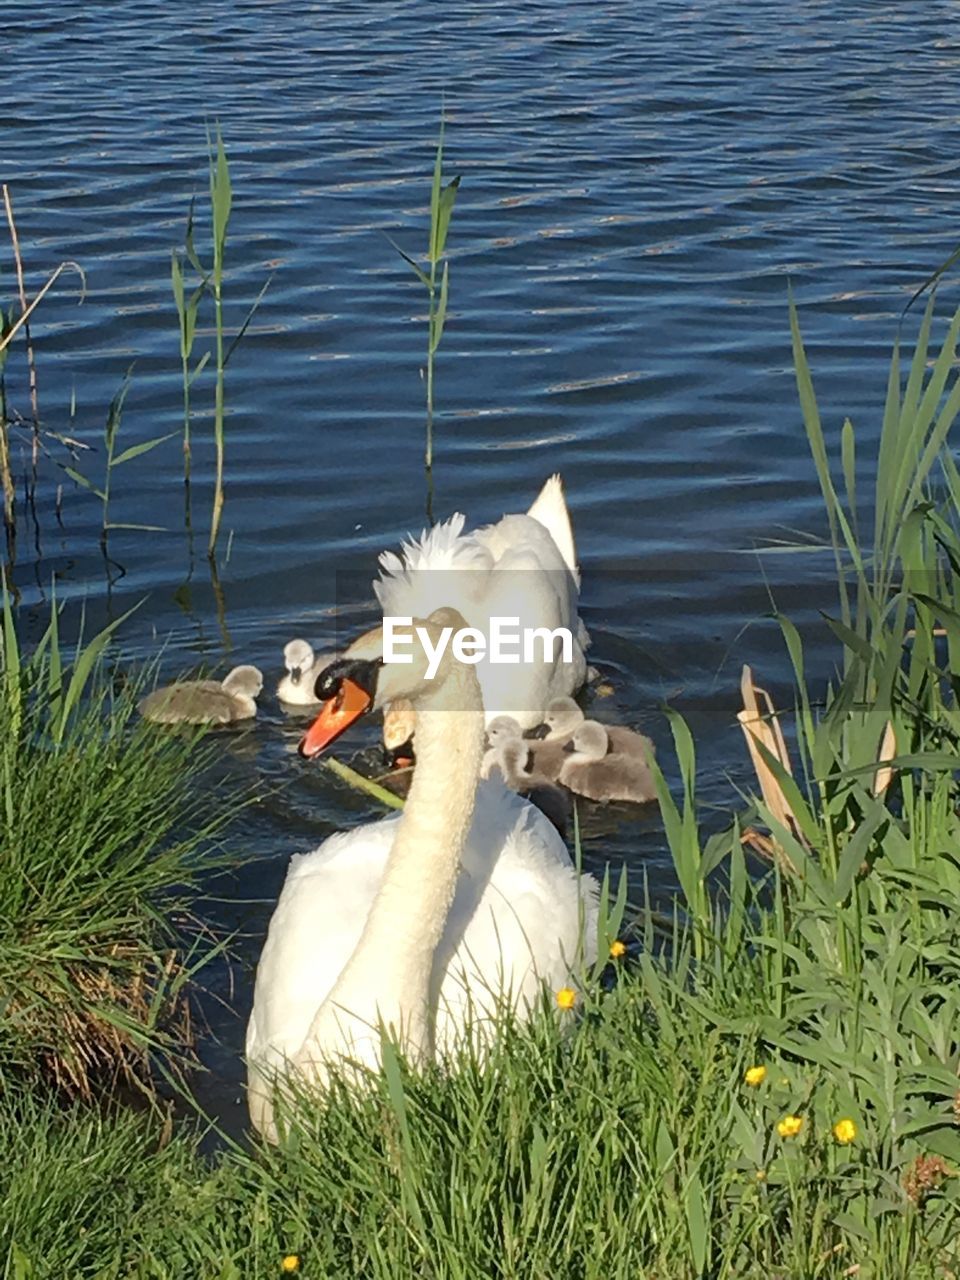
(388, 975)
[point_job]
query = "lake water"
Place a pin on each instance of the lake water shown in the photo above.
(640, 182)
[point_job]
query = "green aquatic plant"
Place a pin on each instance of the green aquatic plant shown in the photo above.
(210, 283)
(13, 322)
(221, 200)
(187, 308)
(442, 199)
(850, 944)
(6, 470)
(112, 460)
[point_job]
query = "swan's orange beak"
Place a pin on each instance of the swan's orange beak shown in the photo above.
(338, 713)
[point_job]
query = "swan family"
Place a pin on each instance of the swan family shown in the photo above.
(429, 924)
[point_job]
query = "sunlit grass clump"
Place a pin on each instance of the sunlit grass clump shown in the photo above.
(101, 825)
(629, 1144)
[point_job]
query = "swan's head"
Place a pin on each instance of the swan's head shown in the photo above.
(560, 719)
(298, 659)
(362, 679)
(589, 743)
(503, 729)
(246, 681)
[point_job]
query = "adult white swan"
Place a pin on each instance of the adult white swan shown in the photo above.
(523, 568)
(465, 900)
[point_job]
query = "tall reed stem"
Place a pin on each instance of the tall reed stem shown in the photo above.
(218, 420)
(24, 312)
(220, 201)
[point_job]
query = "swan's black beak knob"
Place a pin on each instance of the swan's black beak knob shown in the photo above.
(362, 671)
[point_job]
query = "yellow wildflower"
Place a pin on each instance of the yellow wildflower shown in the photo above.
(755, 1076)
(566, 997)
(618, 949)
(844, 1131)
(290, 1263)
(761, 1175)
(790, 1126)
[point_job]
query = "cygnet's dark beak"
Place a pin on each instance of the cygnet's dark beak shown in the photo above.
(295, 674)
(399, 757)
(538, 731)
(568, 747)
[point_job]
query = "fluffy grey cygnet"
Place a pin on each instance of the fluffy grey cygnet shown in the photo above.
(514, 758)
(593, 769)
(563, 717)
(544, 759)
(206, 701)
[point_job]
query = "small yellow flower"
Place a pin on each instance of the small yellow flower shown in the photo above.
(844, 1131)
(290, 1263)
(618, 949)
(790, 1126)
(566, 997)
(761, 1175)
(755, 1076)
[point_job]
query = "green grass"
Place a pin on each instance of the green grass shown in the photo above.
(102, 827)
(631, 1147)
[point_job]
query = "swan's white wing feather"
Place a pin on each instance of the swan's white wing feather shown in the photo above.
(530, 582)
(444, 567)
(550, 509)
(315, 927)
(516, 917)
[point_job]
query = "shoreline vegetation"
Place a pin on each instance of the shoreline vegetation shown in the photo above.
(105, 835)
(764, 1085)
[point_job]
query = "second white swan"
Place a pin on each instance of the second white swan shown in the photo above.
(523, 568)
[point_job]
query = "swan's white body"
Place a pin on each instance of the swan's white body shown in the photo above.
(513, 924)
(524, 567)
(427, 922)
